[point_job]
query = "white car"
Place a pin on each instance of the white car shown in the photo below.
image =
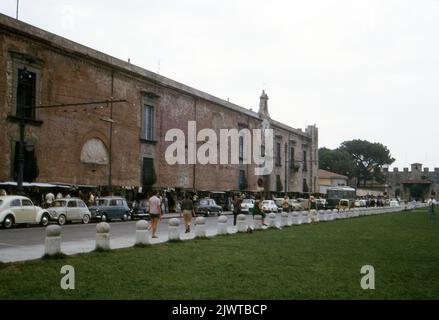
(69, 209)
(247, 205)
(394, 203)
(18, 209)
(269, 206)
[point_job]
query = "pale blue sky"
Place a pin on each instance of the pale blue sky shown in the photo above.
(358, 69)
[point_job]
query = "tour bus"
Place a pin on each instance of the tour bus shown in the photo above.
(335, 194)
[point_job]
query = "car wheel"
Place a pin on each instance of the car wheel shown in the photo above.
(45, 220)
(125, 217)
(62, 220)
(104, 217)
(8, 222)
(86, 219)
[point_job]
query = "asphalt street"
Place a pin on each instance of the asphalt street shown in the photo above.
(27, 243)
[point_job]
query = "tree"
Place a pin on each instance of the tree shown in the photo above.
(368, 159)
(338, 161)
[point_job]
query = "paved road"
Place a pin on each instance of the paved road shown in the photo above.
(23, 243)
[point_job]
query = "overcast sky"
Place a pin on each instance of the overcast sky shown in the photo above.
(358, 69)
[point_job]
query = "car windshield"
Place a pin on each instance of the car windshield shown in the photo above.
(246, 201)
(59, 203)
(101, 202)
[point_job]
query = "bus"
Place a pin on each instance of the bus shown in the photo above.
(335, 194)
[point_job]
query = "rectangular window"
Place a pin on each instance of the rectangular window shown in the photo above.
(26, 93)
(279, 186)
(277, 155)
(148, 173)
(292, 158)
(305, 161)
(147, 122)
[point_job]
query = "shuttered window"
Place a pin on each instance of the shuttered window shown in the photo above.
(147, 122)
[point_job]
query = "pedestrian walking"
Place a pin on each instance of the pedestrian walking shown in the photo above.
(431, 209)
(257, 210)
(187, 206)
(50, 197)
(286, 205)
(155, 212)
(3, 193)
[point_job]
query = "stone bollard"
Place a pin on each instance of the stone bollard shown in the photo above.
(335, 214)
(200, 227)
(53, 240)
(222, 225)
(284, 219)
(328, 215)
(272, 220)
(306, 217)
(174, 229)
(103, 236)
(297, 218)
(257, 222)
(240, 223)
(290, 218)
(314, 216)
(142, 233)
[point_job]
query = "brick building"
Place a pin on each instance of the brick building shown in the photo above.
(123, 143)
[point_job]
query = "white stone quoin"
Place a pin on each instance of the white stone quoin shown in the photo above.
(103, 236)
(53, 240)
(272, 220)
(222, 225)
(257, 222)
(240, 223)
(174, 229)
(200, 227)
(143, 235)
(284, 219)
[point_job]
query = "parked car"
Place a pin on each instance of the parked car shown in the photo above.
(110, 208)
(344, 204)
(247, 205)
(304, 203)
(270, 206)
(69, 209)
(18, 209)
(207, 207)
(295, 205)
(140, 210)
(394, 203)
(320, 204)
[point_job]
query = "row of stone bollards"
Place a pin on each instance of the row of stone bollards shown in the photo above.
(143, 235)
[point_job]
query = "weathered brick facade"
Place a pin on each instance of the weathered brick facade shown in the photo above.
(69, 73)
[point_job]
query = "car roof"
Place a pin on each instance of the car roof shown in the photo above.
(67, 199)
(5, 198)
(111, 198)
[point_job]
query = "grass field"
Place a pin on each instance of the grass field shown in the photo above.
(320, 261)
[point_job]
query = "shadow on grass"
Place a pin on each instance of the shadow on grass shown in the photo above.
(57, 256)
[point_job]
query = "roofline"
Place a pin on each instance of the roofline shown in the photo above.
(70, 46)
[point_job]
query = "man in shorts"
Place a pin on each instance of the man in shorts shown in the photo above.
(187, 206)
(155, 212)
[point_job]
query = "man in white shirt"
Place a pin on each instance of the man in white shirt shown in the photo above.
(50, 197)
(155, 212)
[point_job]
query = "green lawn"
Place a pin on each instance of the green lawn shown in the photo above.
(320, 261)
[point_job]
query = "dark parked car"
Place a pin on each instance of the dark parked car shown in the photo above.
(140, 210)
(207, 207)
(110, 208)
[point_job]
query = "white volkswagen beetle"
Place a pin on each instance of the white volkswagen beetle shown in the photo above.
(18, 209)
